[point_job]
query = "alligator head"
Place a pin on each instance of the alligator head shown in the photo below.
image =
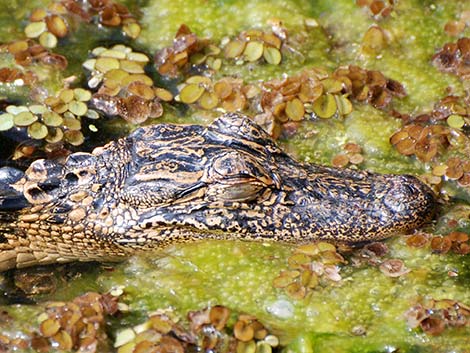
(171, 183)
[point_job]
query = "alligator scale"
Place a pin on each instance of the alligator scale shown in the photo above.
(174, 183)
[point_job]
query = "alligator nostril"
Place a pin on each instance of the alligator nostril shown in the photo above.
(35, 195)
(35, 192)
(71, 177)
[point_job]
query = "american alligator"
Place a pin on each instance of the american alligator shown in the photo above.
(175, 183)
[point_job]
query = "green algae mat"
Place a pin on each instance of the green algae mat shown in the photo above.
(376, 85)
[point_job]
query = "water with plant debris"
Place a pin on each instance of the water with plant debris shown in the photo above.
(409, 295)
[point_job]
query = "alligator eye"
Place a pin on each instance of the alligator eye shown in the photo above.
(255, 133)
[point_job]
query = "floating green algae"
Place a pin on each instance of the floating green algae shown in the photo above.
(239, 275)
(215, 19)
(360, 127)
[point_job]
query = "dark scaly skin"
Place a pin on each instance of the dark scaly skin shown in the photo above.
(174, 183)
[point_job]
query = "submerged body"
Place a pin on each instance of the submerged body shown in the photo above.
(172, 183)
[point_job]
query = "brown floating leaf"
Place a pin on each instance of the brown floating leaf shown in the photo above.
(393, 268)
(57, 26)
(310, 91)
(40, 344)
(109, 17)
(433, 326)
(63, 340)
(171, 344)
(378, 8)
(453, 57)
(272, 55)
(425, 150)
(424, 141)
(219, 316)
(344, 104)
(415, 315)
(418, 240)
(296, 290)
(459, 237)
(140, 89)
(356, 158)
(369, 86)
(135, 109)
(453, 171)
(223, 89)
(161, 323)
(243, 331)
(235, 102)
(374, 40)
(340, 160)
(441, 245)
(454, 28)
(49, 327)
(171, 61)
(191, 93)
(377, 249)
(297, 260)
(308, 265)
(325, 106)
(253, 50)
(295, 109)
(208, 100)
(434, 316)
(285, 278)
(234, 49)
